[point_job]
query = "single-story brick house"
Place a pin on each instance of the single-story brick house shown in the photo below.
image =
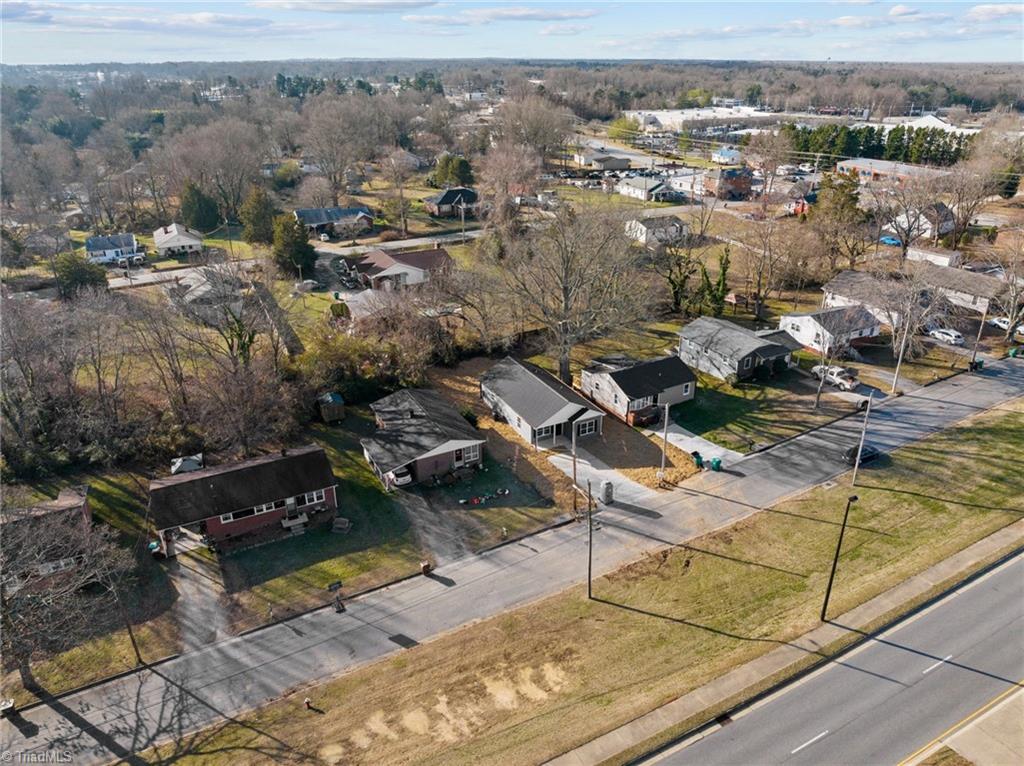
(633, 390)
(724, 349)
(423, 432)
(380, 270)
(282, 490)
(543, 411)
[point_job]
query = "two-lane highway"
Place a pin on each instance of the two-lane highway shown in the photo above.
(892, 695)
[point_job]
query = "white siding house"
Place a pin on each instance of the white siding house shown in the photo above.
(176, 239)
(831, 328)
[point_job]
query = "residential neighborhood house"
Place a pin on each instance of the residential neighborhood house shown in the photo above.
(271, 493)
(832, 329)
(108, 249)
(726, 156)
(635, 391)
(657, 230)
(422, 432)
(380, 270)
(643, 188)
(177, 239)
(68, 514)
(543, 411)
(600, 161)
(951, 258)
(966, 289)
(724, 349)
(728, 183)
(342, 221)
(451, 203)
(859, 288)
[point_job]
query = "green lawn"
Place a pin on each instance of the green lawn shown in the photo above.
(117, 498)
(527, 685)
(747, 414)
(290, 575)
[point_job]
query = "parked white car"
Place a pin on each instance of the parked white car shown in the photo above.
(324, 237)
(399, 477)
(806, 167)
(836, 376)
(946, 335)
(1003, 323)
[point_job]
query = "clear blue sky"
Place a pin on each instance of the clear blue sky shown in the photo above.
(67, 31)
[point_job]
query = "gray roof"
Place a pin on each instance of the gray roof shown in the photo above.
(652, 377)
(111, 242)
(843, 318)
(190, 497)
(730, 340)
(414, 421)
(532, 393)
(781, 338)
(650, 184)
(859, 286)
(318, 216)
(960, 280)
(658, 222)
(888, 167)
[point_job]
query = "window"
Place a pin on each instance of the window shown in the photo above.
(225, 518)
(519, 422)
(243, 514)
(586, 427)
(686, 389)
(615, 398)
(310, 497)
(472, 453)
(746, 363)
(639, 404)
(597, 386)
(545, 431)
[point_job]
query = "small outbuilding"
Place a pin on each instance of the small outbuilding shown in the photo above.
(332, 406)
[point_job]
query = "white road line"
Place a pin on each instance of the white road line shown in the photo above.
(932, 667)
(809, 742)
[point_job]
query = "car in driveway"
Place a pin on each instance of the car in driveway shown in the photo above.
(400, 477)
(946, 335)
(836, 376)
(891, 241)
(868, 453)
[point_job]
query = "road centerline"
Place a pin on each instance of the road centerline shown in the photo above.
(936, 664)
(811, 741)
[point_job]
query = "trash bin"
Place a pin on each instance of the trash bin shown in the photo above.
(716, 464)
(1014, 352)
(607, 492)
(980, 364)
(698, 460)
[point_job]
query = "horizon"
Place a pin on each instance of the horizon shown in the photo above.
(71, 33)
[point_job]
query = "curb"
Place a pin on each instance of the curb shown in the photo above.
(561, 521)
(832, 658)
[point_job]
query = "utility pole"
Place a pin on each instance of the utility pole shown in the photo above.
(903, 347)
(664, 443)
(863, 433)
(977, 339)
(590, 542)
(575, 486)
(835, 561)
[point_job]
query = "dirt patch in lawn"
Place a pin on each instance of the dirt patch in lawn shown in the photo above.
(638, 457)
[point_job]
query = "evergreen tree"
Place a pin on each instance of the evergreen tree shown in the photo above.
(75, 272)
(715, 294)
(257, 216)
(198, 210)
(292, 251)
(1009, 180)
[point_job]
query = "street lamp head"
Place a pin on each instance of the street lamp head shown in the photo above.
(853, 498)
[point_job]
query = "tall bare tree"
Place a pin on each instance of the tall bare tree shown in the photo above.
(678, 261)
(967, 185)
(767, 152)
(900, 206)
(535, 122)
(339, 135)
(577, 278)
(506, 171)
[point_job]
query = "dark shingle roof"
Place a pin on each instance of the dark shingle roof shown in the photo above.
(960, 280)
(860, 286)
(652, 377)
(111, 242)
(532, 393)
(377, 261)
(728, 339)
(198, 495)
(414, 422)
(454, 196)
(842, 318)
(317, 216)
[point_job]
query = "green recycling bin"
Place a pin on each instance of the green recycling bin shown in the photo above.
(1014, 352)
(698, 459)
(716, 464)
(979, 364)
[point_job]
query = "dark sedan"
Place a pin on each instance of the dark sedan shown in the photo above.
(867, 454)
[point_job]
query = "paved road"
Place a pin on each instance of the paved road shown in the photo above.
(202, 687)
(897, 693)
(327, 250)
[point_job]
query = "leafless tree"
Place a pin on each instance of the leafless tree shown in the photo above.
(967, 186)
(339, 135)
(761, 257)
(484, 305)
(578, 278)
(909, 304)
(57, 572)
(1008, 252)
(398, 168)
(315, 191)
(767, 152)
(678, 262)
(535, 122)
(900, 205)
(506, 171)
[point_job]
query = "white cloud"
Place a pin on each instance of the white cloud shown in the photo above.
(903, 10)
(475, 16)
(564, 29)
(345, 6)
(993, 11)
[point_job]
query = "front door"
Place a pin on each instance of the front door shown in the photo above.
(459, 459)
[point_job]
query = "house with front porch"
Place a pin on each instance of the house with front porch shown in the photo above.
(636, 391)
(832, 329)
(281, 491)
(727, 350)
(543, 411)
(380, 270)
(422, 432)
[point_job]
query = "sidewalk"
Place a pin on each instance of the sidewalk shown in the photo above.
(746, 678)
(993, 739)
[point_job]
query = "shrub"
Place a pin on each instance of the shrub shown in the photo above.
(470, 416)
(390, 235)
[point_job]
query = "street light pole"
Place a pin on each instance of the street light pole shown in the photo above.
(835, 561)
(863, 433)
(590, 543)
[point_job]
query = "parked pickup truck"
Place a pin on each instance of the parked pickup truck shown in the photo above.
(836, 376)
